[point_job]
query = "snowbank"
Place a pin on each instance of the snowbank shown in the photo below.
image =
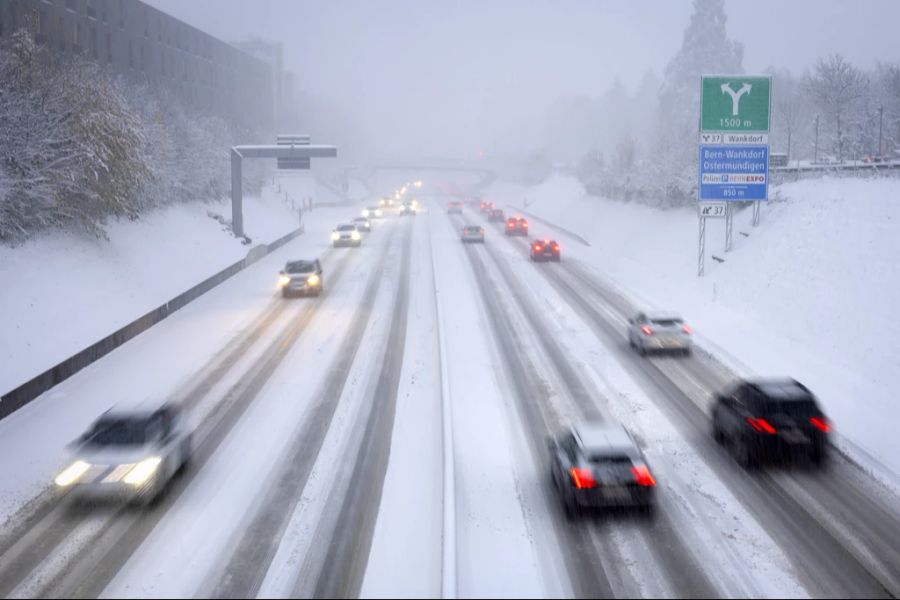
(812, 293)
(63, 292)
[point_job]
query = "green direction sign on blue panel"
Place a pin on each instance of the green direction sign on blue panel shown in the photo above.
(735, 103)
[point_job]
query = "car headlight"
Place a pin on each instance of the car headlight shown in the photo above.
(354, 236)
(143, 471)
(72, 473)
(335, 236)
(283, 280)
(378, 213)
(365, 213)
(313, 279)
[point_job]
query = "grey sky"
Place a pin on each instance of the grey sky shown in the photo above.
(454, 70)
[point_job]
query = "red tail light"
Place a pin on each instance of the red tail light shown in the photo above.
(538, 248)
(583, 478)
(647, 330)
(761, 425)
(556, 247)
(643, 476)
(510, 225)
(687, 329)
(821, 423)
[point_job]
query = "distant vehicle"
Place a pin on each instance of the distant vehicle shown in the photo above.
(473, 233)
(372, 212)
(454, 207)
(597, 465)
(301, 277)
(346, 235)
(770, 419)
(363, 224)
(386, 201)
(486, 206)
(129, 454)
(659, 331)
(496, 216)
(516, 226)
(408, 208)
(545, 250)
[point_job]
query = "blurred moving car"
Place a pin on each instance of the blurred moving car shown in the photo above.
(516, 226)
(346, 235)
(372, 212)
(408, 208)
(486, 206)
(659, 331)
(301, 277)
(545, 250)
(770, 419)
(454, 207)
(363, 224)
(473, 233)
(496, 216)
(129, 453)
(596, 465)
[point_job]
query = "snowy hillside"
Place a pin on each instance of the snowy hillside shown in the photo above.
(812, 293)
(71, 291)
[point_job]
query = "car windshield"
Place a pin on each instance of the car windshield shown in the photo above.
(301, 266)
(346, 228)
(121, 432)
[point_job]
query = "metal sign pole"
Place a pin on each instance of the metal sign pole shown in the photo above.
(729, 217)
(702, 256)
(756, 214)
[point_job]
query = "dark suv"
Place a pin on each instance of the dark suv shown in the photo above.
(770, 419)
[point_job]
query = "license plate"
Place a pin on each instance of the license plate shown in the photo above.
(794, 436)
(616, 494)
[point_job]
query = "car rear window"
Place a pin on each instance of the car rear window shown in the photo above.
(473, 229)
(667, 322)
(346, 227)
(792, 408)
(604, 458)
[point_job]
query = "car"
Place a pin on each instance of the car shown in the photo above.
(372, 212)
(658, 331)
(770, 419)
(128, 454)
(473, 233)
(363, 224)
(516, 226)
(599, 465)
(301, 277)
(486, 206)
(496, 216)
(346, 235)
(386, 201)
(454, 207)
(545, 250)
(408, 208)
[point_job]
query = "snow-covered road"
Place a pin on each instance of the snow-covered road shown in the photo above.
(319, 468)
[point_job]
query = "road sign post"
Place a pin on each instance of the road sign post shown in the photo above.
(735, 114)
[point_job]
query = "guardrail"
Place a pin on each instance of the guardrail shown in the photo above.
(31, 389)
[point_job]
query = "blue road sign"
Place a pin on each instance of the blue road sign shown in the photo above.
(736, 173)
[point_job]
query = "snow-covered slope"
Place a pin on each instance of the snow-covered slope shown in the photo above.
(811, 293)
(64, 292)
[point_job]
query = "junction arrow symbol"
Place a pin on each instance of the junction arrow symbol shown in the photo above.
(735, 96)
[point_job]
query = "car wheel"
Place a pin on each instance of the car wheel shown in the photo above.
(687, 352)
(819, 455)
(570, 508)
(556, 258)
(717, 433)
(647, 511)
(285, 294)
(742, 453)
(642, 350)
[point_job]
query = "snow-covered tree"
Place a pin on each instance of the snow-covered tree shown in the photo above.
(837, 88)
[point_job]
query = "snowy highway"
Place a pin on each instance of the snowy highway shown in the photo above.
(318, 468)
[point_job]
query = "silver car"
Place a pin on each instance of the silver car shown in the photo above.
(649, 332)
(128, 454)
(363, 224)
(346, 235)
(473, 233)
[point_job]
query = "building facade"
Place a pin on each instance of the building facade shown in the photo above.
(149, 46)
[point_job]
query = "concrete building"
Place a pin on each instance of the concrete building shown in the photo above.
(146, 45)
(272, 53)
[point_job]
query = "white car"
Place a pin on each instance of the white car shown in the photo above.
(473, 233)
(659, 331)
(346, 235)
(128, 453)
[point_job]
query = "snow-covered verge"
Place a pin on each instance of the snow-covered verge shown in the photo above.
(811, 293)
(63, 292)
